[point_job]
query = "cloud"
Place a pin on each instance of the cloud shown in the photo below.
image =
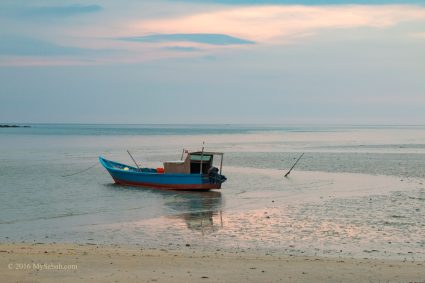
(205, 38)
(279, 23)
(214, 30)
(34, 12)
(11, 45)
(305, 2)
(418, 35)
(182, 48)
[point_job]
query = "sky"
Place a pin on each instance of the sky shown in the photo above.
(212, 61)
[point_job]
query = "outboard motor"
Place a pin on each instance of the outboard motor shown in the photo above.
(215, 177)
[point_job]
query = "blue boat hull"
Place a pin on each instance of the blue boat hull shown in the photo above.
(130, 176)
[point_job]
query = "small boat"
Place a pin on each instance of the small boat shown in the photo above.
(194, 172)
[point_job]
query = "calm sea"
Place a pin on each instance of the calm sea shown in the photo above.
(40, 203)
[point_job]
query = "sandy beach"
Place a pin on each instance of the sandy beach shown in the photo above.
(92, 263)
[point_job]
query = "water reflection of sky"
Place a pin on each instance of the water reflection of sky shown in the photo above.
(309, 213)
(339, 217)
(314, 212)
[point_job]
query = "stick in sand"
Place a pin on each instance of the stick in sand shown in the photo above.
(133, 159)
(286, 175)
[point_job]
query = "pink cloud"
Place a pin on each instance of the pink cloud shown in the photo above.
(270, 24)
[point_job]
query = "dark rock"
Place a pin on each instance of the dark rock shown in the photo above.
(12, 126)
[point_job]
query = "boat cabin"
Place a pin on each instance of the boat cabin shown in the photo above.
(199, 162)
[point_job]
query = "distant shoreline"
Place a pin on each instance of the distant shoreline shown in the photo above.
(13, 126)
(282, 124)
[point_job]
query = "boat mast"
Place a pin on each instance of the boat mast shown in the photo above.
(202, 157)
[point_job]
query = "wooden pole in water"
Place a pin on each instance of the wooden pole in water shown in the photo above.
(286, 175)
(133, 159)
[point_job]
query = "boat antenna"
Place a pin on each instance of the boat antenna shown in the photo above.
(286, 175)
(133, 159)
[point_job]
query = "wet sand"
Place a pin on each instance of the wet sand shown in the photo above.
(93, 263)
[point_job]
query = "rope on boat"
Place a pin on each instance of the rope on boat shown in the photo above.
(81, 170)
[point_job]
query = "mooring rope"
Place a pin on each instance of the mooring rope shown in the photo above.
(81, 170)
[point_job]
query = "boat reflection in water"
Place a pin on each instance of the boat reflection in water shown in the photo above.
(200, 210)
(163, 209)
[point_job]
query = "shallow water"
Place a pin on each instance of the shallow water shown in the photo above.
(373, 207)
